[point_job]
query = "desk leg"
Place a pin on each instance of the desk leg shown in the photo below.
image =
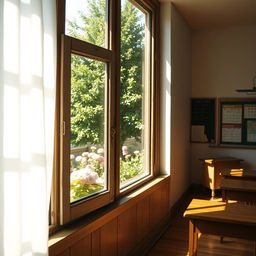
(193, 239)
(213, 193)
(224, 196)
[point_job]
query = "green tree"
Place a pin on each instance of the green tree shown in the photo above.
(132, 51)
(87, 99)
(88, 75)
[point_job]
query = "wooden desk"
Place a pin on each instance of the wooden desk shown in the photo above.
(239, 174)
(239, 189)
(212, 169)
(219, 218)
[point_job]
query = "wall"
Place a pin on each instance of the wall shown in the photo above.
(165, 94)
(175, 99)
(222, 60)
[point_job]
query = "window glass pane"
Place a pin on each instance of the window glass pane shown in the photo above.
(134, 111)
(87, 20)
(87, 156)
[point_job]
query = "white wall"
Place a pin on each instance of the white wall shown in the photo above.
(165, 49)
(222, 60)
(175, 97)
(180, 104)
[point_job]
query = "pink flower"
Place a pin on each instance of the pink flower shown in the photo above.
(92, 178)
(89, 167)
(84, 159)
(100, 151)
(78, 158)
(85, 154)
(124, 150)
(95, 156)
(99, 181)
(91, 155)
(75, 175)
(93, 148)
(84, 176)
(98, 158)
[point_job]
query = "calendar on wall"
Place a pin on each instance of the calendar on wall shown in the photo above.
(238, 121)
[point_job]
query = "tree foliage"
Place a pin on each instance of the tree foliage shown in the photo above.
(88, 76)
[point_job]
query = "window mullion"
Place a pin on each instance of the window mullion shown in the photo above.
(64, 130)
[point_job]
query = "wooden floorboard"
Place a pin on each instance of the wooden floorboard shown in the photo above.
(174, 241)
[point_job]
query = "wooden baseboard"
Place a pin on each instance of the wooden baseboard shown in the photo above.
(189, 192)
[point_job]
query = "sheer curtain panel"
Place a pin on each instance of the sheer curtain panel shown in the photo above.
(27, 103)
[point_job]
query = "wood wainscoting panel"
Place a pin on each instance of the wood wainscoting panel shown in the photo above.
(165, 199)
(126, 229)
(96, 243)
(155, 212)
(82, 247)
(127, 223)
(65, 253)
(108, 239)
(142, 218)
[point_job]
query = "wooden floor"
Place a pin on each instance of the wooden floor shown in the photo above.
(175, 241)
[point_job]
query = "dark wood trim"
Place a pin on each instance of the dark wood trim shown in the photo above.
(55, 200)
(116, 16)
(156, 88)
(64, 134)
(245, 99)
(249, 147)
(90, 50)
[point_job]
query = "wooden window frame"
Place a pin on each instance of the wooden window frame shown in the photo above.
(62, 211)
(68, 211)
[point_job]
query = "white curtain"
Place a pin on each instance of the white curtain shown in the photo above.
(27, 102)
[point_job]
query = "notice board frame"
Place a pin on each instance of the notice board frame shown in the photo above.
(235, 114)
(203, 113)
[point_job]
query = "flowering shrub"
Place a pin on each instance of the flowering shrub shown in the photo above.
(131, 165)
(87, 170)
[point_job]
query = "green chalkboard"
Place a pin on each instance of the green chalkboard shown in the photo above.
(203, 124)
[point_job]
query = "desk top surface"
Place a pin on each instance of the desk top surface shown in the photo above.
(241, 173)
(231, 212)
(239, 185)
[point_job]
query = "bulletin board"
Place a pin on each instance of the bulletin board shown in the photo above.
(237, 124)
(203, 123)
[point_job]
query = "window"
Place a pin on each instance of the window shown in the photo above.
(135, 94)
(107, 102)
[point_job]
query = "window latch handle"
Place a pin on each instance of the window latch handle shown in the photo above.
(113, 129)
(63, 128)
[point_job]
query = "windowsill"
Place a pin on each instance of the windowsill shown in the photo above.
(94, 220)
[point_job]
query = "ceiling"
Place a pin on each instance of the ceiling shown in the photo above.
(201, 14)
